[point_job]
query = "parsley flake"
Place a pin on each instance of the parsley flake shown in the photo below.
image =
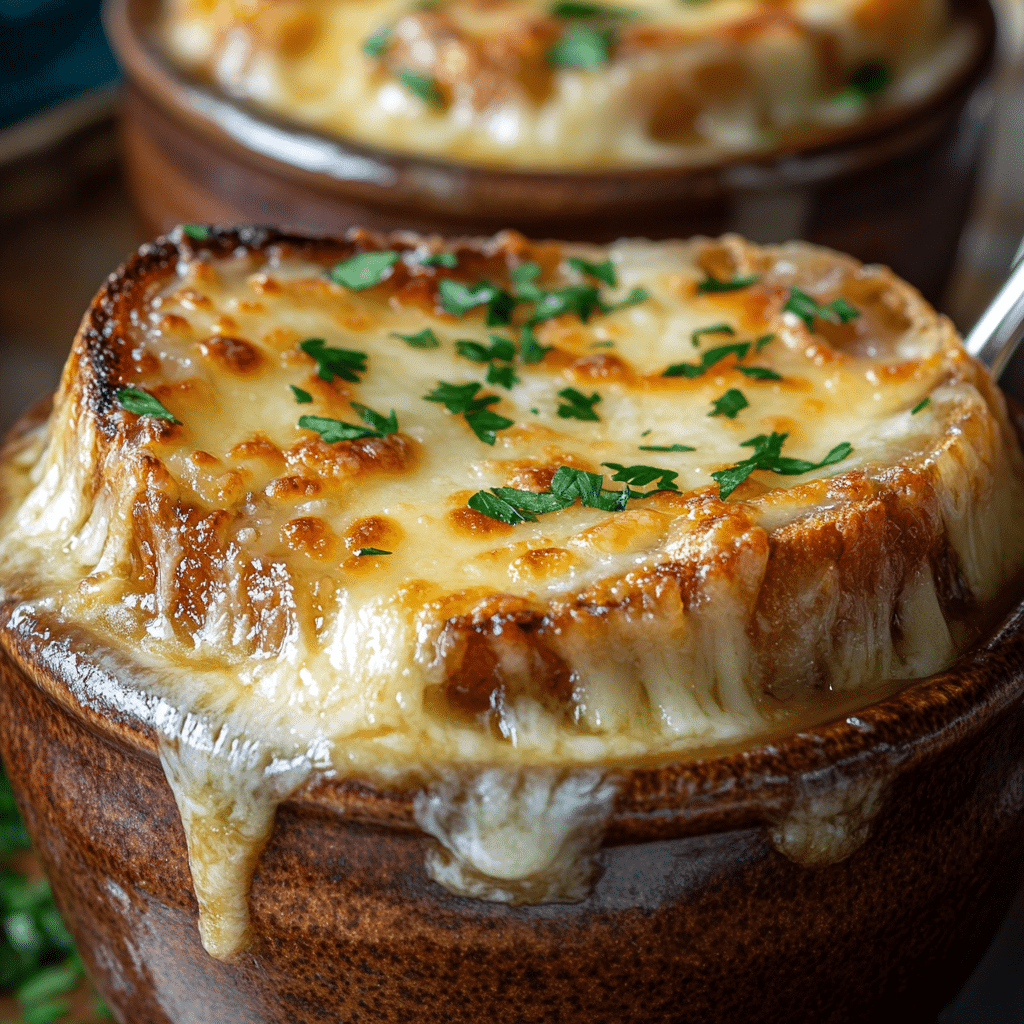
(423, 85)
(333, 362)
(602, 271)
(425, 339)
(332, 431)
(494, 507)
(503, 375)
(634, 298)
(371, 551)
(463, 398)
(577, 406)
(643, 475)
(582, 10)
(709, 358)
(441, 259)
(459, 298)
(923, 404)
(382, 424)
(763, 341)
(759, 373)
(142, 403)
(500, 348)
(582, 47)
(666, 448)
(712, 284)
(302, 396)
(768, 456)
(363, 271)
(714, 329)
(197, 232)
(376, 44)
(808, 309)
(871, 79)
(530, 348)
(729, 404)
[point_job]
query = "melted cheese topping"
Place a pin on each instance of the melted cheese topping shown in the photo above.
(683, 83)
(506, 669)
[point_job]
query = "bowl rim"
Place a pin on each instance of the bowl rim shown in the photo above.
(695, 793)
(336, 164)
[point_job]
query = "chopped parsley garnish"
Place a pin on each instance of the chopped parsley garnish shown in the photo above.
(634, 298)
(577, 406)
(500, 348)
(582, 299)
(363, 271)
(441, 259)
(197, 232)
(602, 344)
(759, 373)
(382, 424)
(582, 46)
(713, 329)
(512, 506)
(602, 271)
(708, 359)
(524, 280)
(425, 339)
(583, 10)
(923, 404)
(764, 340)
(641, 476)
(142, 403)
(376, 44)
(729, 404)
(808, 309)
(711, 284)
(530, 348)
(871, 79)
(458, 299)
(333, 362)
(371, 551)
(302, 396)
(504, 375)
(423, 85)
(768, 456)
(331, 430)
(462, 398)
(666, 448)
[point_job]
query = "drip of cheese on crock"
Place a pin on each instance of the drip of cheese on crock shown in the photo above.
(684, 83)
(505, 670)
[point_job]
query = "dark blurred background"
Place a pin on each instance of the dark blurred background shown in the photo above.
(66, 222)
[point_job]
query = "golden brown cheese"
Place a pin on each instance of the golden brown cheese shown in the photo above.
(526, 83)
(298, 604)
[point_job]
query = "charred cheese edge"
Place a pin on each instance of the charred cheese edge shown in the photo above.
(493, 82)
(296, 605)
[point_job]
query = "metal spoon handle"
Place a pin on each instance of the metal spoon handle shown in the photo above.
(1000, 329)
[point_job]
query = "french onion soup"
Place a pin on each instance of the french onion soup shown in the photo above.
(492, 519)
(573, 84)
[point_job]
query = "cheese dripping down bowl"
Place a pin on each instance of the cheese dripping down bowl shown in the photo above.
(855, 124)
(407, 629)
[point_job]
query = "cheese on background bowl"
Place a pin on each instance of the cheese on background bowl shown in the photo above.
(570, 84)
(496, 520)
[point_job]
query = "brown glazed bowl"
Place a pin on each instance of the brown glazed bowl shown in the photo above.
(894, 190)
(697, 917)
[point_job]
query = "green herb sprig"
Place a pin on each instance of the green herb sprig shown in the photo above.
(730, 404)
(363, 271)
(768, 456)
(462, 399)
(142, 403)
(577, 406)
(334, 362)
(809, 310)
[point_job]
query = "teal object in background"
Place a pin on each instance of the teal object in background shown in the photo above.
(50, 51)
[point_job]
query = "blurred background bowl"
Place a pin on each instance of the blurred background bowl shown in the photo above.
(895, 189)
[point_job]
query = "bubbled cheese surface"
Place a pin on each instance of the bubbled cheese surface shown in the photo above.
(231, 558)
(526, 83)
